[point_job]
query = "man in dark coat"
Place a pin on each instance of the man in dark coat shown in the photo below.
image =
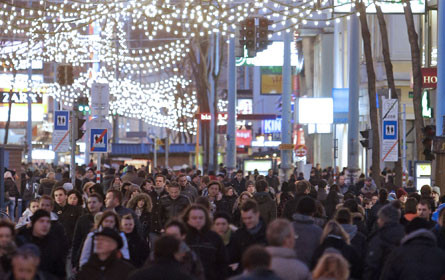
(239, 182)
(104, 263)
(372, 217)
(383, 241)
(113, 201)
(266, 205)
(252, 232)
(174, 203)
(68, 214)
(290, 208)
(165, 265)
(83, 226)
(272, 180)
(418, 257)
(156, 218)
(53, 251)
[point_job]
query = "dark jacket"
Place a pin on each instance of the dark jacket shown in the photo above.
(156, 218)
(68, 216)
(210, 248)
(244, 238)
(290, 208)
(110, 269)
(347, 251)
(258, 274)
(46, 186)
(417, 258)
(372, 217)
(172, 208)
(439, 232)
(138, 248)
(84, 225)
(122, 211)
(273, 182)
(358, 239)
(225, 204)
(145, 220)
(40, 275)
(284, 198)
(53, 250)
(307, 237)
(381, 244)
(267, 206)
(163, 269)
(239, 186)
(27, 189)
(11, 188)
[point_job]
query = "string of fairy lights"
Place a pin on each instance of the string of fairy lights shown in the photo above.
(84, 32)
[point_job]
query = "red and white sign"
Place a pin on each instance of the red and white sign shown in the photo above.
(429, 77)
(301, 150)
(243, 137)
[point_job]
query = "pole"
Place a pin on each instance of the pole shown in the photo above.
(2, 178)
(440, 92)
(99, 164)
(73, 144)
(29, 123)
(354, 88)
(197, 144)
(87, 138)
(167, 143)
(286, 124)
(404, 143)
(231, 119)
(56, 107)
(155, 154)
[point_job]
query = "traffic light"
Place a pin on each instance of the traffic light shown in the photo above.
(248, 36)
(429, 132)
(79, 130)
(367, 139)
(65, 75)
(263, 33)
(82, 105)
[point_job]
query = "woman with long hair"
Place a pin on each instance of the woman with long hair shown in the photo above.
(147, 185)
(107, 219)
(131, 192)
(206, 243)
(331, 266)
(287, 193)
(334, 236)
(332, 200)
(141, 204)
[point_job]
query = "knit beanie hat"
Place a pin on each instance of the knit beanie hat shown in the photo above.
(39, 214)
(400, 192)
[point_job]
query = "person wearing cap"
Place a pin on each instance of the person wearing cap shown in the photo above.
(436, 196)
(104, 262)
(53, 250)
(402, 196)
(25, 265)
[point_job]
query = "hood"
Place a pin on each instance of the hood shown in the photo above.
(281, 252)
(350, 229)
(47, 181)
(302, 219)
(262, 197)
(422, 236)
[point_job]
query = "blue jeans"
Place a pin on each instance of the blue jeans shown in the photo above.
(11, 208)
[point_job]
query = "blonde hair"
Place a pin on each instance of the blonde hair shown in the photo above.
(331, 266)
(334, 228)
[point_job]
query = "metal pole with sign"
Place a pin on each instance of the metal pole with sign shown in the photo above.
(73, 145)
(390, 138)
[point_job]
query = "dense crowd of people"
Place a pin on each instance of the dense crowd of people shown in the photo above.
(187, 225)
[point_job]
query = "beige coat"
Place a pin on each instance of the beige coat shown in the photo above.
(286, 266)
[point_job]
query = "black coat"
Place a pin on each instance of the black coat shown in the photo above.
(165, 269)
(381, 244)
(417, 258)
(156, 218)
(53, 250)
(11, 188)
(46, 186)
(210, 248)
(172, 208)
(347, 251)
(225, 204)
(267, 206)
(372, 216)
(145, 220)
(239, 186)
(439, 232)
(290, 208)
(68, 216)
(138, 248)
(243, 239)
(83, 226)
(110, 269)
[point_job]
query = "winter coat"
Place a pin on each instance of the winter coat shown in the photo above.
(243, 239)
(439, 232)
(190, 192)
(68, 216)
(381, 244)
(88, 248)
(347, 251)
(28, 189)
(417, 258)
(285, 264)
(210, 248)
(267, 206)
(122, 211)
(358, 239)
(225, 204)
(46, 186)
(172, 208)
(307, 237)
(273, 182)
(239, 186)
(145, 220)
(284, 198)
(258, 274)
(11, 188)
(83, 226)
(290, 208)
(163, 269)
(110, 269)
(138, 248)
(372, 217)
(53, 250)
(157, 223)
(131, 177)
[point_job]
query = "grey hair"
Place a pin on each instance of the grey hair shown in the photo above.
(277, 232)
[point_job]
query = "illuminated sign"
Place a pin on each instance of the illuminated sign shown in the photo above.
(243, 137)
(20, 97)
(208, 116)
(315, 110)
(429, 77)
(271, 126)
(427, 111)
(388, 6)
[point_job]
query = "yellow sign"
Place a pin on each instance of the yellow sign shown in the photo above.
(271, 84)
(286, 146)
